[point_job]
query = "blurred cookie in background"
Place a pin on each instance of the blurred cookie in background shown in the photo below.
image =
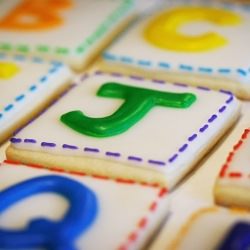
(196, 42)
(71, 31)
(27, 85)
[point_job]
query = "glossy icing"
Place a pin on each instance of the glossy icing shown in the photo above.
(45, 15)
(137, 103)
(238, 237)
(189, 137)
(118, 225)
(164, 31)
(41, 232)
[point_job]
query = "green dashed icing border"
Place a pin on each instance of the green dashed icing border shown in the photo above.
(114, 17)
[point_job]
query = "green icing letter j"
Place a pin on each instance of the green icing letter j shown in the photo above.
(137, 103)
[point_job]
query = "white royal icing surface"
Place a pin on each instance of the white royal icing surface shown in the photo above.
(147, 139)
(22, 92)
(237, 171)
(85, 25)
(209, 228)
(121, 208)
(233, 56)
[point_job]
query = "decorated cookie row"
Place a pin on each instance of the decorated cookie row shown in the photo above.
(182, 42)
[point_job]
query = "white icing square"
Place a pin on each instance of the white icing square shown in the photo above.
(127, 214)
(67, 30)
(25, 85)
(168, 141)
(229, 61)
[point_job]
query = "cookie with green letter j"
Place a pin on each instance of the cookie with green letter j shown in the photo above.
(116, 126)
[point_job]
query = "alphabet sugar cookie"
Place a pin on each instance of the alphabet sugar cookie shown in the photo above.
(127, 127)
(72, 31)
(233, 184)
(26, 86)
(54, 210)
(195, 43)
(214, 228)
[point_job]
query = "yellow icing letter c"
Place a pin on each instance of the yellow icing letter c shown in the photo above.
(163, 31)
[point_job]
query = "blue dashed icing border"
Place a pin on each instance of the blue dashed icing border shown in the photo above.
(33, 88)
(166, 66)
(135, 158)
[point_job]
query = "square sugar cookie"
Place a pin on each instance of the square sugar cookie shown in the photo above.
(26, 86)
(127, 127)
(72, 31)
(224, 229)
(196, 42)
(105, 213)
(233, 183)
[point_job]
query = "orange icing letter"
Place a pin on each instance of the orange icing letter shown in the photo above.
(32, 15)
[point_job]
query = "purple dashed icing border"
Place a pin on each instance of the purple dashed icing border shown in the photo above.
(34, 141)
(132, 158)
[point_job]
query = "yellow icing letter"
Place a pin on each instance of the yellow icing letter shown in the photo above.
(8, 70)
(32, 15)
(164, 30)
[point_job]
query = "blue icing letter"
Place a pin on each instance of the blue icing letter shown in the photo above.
(43, 233)
(238, 238)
